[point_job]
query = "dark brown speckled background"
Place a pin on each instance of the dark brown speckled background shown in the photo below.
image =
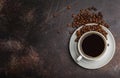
(32, 21)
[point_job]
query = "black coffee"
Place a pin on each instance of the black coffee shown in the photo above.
(93, 45)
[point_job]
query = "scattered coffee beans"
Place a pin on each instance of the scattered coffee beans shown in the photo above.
(89, 15)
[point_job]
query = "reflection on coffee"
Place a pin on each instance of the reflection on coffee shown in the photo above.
(93, 45)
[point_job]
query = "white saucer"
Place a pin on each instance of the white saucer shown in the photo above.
(93, 64)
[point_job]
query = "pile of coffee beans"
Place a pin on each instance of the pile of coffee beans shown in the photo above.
(85, 16)
(85, 29)
(89, 15)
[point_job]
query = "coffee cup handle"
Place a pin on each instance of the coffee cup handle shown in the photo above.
(79, 58)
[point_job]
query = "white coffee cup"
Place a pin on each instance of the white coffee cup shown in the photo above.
(82, 54)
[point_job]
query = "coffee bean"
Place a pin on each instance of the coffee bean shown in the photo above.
(69, 25)
(73, 15)
(68, 7)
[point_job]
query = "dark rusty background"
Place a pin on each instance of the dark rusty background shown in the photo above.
(33, 21)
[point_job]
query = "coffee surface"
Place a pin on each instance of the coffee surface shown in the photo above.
(93, 45)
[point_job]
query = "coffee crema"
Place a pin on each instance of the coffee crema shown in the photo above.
(93, 45)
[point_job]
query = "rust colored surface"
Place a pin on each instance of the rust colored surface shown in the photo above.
(33, 22)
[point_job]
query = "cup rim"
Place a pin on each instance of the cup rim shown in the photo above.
(87, 56)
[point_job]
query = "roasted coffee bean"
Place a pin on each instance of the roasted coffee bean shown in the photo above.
(69, 25)
(68, 7)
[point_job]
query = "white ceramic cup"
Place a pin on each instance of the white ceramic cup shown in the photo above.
(82, 54)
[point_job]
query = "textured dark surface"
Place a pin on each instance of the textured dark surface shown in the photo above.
(32, 21)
